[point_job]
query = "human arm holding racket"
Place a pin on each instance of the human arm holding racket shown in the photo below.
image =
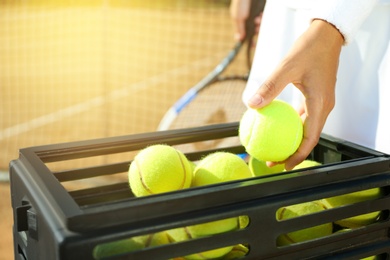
(239, 11)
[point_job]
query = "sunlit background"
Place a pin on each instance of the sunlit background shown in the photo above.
(76, 70)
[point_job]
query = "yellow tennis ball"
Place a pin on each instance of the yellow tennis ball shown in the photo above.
(214, 168)
(130, 245)
(204, 230)
(243, 221)
(306, 164)
(259, 168)
(373, 257)
(193, 165)
(272, 133)
(354, 197)
(220, 167)
(157, 169)
(307, 233)
(237, 252)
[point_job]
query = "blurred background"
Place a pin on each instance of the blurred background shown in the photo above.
(74, 70)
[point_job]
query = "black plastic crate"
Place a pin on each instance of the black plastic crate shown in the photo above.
(52, 222)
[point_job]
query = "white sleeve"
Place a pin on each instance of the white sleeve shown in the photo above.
(346, 15)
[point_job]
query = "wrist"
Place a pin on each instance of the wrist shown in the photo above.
(328, 31)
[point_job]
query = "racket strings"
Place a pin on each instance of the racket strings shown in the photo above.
(219, 103)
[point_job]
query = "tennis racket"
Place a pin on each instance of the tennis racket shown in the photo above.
(216, 98)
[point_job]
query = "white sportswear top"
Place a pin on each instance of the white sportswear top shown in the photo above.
(362, 111)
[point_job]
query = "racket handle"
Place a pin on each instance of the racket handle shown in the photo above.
(256, 7)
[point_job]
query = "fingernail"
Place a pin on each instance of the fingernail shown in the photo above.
(255, 100)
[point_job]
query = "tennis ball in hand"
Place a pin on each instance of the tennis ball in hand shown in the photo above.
(130, 245)
(354, 197)
(259, 168)
(157, 169)
(307, 233)
(272, 133)
(204, 230)
(220, 167)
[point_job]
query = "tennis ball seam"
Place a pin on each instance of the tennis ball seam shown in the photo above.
(184, 170)
(189, 235)
(239, 250)
(251, 128)
(149, 240)
(141, 177)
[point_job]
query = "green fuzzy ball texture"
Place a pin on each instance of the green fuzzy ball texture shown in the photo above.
(130, 245)
(157, 169)
(306, 164)
(354, 197)
(220, 167)
(237, 252)
(272, 133)
(259, 168)
(243, 221)
(203, 230)
(307, 233)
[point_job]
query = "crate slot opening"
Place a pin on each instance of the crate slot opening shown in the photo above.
(305, 235)
(210, 229)
(345, 203)
(93, 182)
(180, 235)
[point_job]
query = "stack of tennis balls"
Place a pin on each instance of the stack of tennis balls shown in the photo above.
(349, 198)
(272, 133)
(214, 168)
(129, 245)
(326, 229)
(162, 168)
(155, 169)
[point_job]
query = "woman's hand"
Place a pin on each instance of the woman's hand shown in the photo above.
(311, 65)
